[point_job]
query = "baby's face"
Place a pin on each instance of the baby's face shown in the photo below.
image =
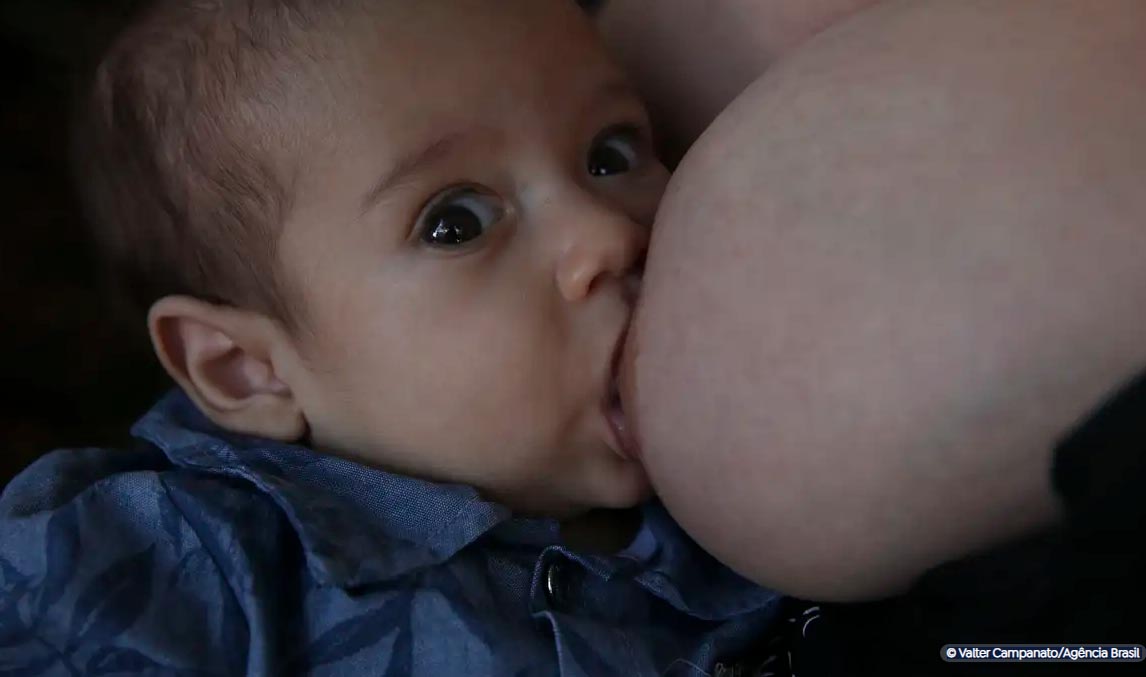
(465, 242)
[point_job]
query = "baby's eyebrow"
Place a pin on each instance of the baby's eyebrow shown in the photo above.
(591, 6)
(613, 90)
(412, 163)
(446, 145)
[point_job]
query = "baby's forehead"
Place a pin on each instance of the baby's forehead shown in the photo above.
(462, 33)
(415, 59)
(413, 74)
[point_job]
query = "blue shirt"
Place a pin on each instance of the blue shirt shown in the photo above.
(206, 552)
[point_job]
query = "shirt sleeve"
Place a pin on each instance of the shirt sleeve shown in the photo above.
(101, 572)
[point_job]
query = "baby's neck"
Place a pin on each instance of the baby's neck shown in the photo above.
(601, 531)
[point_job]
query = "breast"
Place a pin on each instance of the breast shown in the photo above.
(864, 283)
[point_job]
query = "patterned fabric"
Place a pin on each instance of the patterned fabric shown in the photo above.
(207, 553)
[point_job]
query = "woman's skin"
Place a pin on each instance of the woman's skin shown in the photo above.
(899, 268)
(691, 57)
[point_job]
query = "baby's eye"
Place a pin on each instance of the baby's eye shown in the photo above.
(615, 151)
(459, 217)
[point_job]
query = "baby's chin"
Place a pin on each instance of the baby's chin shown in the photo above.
(636, 491)
(627, 487)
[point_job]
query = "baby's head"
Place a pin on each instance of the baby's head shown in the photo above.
(404, 231)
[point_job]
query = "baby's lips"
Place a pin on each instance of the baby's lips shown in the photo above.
(631, 287)
(626, 387)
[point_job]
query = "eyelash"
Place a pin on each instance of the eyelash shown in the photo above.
(444, 198)
(632, 131)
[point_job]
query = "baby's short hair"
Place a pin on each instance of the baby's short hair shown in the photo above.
(184, 147)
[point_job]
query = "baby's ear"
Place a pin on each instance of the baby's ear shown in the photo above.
(230, 363)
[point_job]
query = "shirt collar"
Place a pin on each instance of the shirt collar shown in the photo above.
(358, 525)
(665, 560)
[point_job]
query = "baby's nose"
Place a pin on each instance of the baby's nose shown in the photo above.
(604, 244)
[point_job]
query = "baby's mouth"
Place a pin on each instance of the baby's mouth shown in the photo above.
(623, 441)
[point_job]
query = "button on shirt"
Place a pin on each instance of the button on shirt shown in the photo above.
(207, 552)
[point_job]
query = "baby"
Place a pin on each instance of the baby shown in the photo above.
(389, 251)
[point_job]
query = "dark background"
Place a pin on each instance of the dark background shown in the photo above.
(74, 373)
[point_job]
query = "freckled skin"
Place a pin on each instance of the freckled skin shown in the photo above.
(887, 280)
